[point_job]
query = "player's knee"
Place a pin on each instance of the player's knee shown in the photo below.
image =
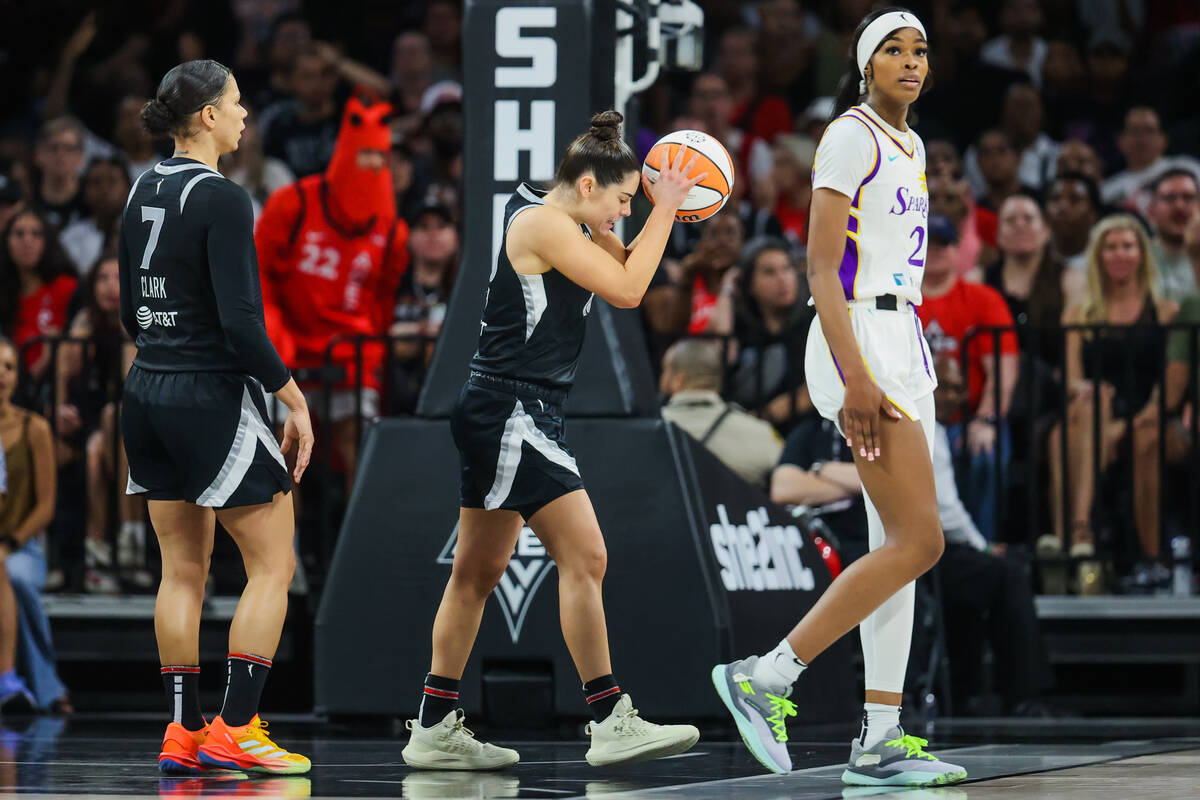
(187, 574)
(589, 563)
(479, 579)
(932, 548)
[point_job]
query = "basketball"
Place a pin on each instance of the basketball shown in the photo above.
(707, 197)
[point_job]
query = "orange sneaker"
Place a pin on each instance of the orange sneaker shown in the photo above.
(248, 748)
(179, 748)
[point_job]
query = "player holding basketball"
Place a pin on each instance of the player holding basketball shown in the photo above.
(194, 421)
(870, 372)
(558, 251)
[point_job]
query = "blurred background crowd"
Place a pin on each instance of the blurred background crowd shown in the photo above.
(1063, 145)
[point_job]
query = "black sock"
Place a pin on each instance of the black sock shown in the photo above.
(602, 695)
(183, 695)
(439, 699)
(246, 677)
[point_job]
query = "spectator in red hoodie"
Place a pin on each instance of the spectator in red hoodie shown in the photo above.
(331, 251)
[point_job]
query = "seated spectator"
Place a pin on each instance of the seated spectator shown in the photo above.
(985, 596)
(1072, 208)
(1123, 364)
(816, 469)
(695, 294)
(269, 80)
(1144, 145)
(993, 168)
(762, 115)
(90, 377)
(301, 131)
(691, 379)
(421, 302)
(27, 509)
(1076, 155)
(792, 178)
(1174, 205)
(59, 157)
(951, 308)
(253, 170)
(1030, 279)
(1019, 47)
(1023, 120)
(952, 199)
(1183, 366)
(443, 28)
(105, 188)
(134, 144)
(36, 285)
(411, 75)
(331, 251)
(1183, 372)
(771, 327)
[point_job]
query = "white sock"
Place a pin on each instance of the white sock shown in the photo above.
(877, 721)
(780, 667)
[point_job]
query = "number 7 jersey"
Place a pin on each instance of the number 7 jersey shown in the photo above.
(882, 171)
(190, 293)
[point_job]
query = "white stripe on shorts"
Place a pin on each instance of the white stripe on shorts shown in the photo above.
(251, 430)
(520, 429)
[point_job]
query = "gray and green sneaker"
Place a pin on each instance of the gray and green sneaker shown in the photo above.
(760, 712)
(899, 760)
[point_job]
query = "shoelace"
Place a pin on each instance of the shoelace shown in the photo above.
(460, 727)
(783, 709)
(915, 745)
(630, 721)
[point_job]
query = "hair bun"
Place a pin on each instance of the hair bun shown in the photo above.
(606, 126)
(157, 118)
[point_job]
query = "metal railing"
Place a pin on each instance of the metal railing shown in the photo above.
(1093, 365)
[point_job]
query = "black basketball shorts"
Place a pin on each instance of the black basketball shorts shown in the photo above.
(200, 437)
(512, 446)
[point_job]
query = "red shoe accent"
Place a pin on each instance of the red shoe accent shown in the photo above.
(180, 749)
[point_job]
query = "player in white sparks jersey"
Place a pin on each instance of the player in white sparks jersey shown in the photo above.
(869, 371)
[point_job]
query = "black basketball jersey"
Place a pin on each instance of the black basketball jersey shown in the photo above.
(190, 292)
(532, 327)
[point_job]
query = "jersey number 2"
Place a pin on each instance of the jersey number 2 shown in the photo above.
(919, 232)
(155, 217)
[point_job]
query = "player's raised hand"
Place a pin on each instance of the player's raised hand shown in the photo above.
(673, 184)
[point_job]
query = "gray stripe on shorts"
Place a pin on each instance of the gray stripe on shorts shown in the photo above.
(250, 431)
(519, 429)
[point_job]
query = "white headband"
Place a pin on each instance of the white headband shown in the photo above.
(876, 32)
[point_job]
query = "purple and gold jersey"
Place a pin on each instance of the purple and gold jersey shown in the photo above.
(882, 171)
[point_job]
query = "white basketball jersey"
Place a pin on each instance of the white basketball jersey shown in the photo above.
(882, 171)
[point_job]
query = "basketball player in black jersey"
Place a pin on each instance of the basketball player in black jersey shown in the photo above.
(193, 416)
(557, 252)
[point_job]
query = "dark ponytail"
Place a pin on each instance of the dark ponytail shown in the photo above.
(601, 151)
(847, 88)
(183, 91)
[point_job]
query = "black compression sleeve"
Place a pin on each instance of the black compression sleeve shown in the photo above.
(233, 265)
(127, 316)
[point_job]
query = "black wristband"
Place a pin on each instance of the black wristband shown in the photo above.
(10, 542)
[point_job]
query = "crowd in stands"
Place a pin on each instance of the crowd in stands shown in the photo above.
(1063, 166)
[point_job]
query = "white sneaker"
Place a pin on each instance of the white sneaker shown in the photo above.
(450, 745)
(624, 737)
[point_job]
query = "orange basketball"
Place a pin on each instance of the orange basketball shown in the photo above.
(707, 197)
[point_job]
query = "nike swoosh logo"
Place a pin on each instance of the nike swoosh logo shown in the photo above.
(893, 158)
